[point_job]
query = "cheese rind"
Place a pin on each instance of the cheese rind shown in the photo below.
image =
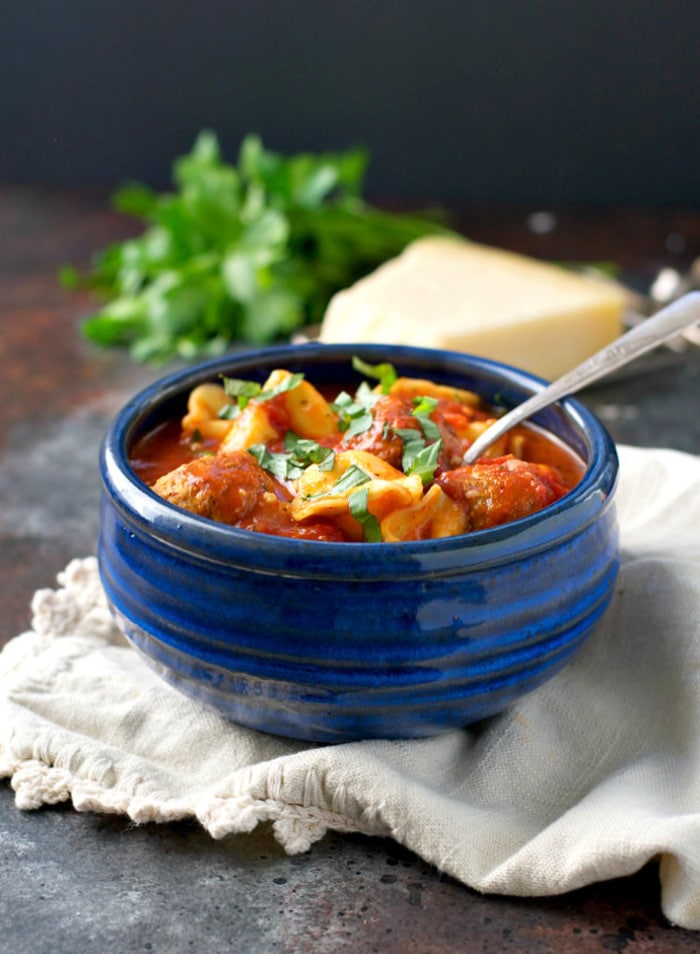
(461, 296)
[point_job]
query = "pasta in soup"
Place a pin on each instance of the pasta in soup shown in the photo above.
(381, 464)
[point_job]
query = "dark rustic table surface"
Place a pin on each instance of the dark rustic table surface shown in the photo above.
(81, 882)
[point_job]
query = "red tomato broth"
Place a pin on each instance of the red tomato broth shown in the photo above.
(510, 492)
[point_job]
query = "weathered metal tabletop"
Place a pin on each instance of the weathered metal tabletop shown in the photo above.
(81, 882)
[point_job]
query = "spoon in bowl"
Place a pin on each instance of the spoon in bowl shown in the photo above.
(665, 324)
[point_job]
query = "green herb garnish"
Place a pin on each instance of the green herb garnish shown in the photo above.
(286, 384)
(279, 465)
(413, 444)
(308, 452)
(385, 373)
(354, 476)
(354, 414)
(246, 252)
(299, 454)
(357, 502)
(424, 462)
(244, 391)
(423, 408)
(421, 449)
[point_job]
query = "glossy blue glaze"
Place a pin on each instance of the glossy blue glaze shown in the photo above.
(338, 641)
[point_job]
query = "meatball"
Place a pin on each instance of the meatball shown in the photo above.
(388, 414)
(502, 489)
(233, 488)
(225, 487)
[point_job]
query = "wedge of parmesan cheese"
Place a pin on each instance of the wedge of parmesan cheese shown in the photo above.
(461, 296)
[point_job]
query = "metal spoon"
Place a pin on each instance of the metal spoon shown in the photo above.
(653, 331)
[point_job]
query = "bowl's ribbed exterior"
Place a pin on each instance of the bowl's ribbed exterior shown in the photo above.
(332, 642)
(329, 660)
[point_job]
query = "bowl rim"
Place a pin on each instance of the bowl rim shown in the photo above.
(222, 543)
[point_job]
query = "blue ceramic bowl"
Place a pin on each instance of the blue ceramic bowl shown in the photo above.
(331, 642)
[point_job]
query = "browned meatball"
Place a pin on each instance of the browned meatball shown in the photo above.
(223, 487)
(502, 489)
(233, 488)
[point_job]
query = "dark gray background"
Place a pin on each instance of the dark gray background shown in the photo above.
(581, 101)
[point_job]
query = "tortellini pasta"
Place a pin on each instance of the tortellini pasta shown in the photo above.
(382, 464)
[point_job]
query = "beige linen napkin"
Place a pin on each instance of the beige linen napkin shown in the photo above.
(587, 778)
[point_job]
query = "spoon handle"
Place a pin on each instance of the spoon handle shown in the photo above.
(665, 324)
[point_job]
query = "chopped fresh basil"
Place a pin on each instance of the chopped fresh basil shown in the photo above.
(409, 434)
(418, 457)
(385, 373)
(229, 412)
(291, 463)
(424, 462)
(354, 476)
(287, 384)
(306, 452)
(357, 501)
(365, 396)
(411, 450)
(281, 466)
(423, 408)
(244, 391)
(354, 417)
(422, 404)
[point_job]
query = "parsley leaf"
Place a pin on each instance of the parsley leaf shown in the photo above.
(246, 252)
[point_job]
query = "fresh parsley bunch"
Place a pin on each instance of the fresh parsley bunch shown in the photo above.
(244, 253)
